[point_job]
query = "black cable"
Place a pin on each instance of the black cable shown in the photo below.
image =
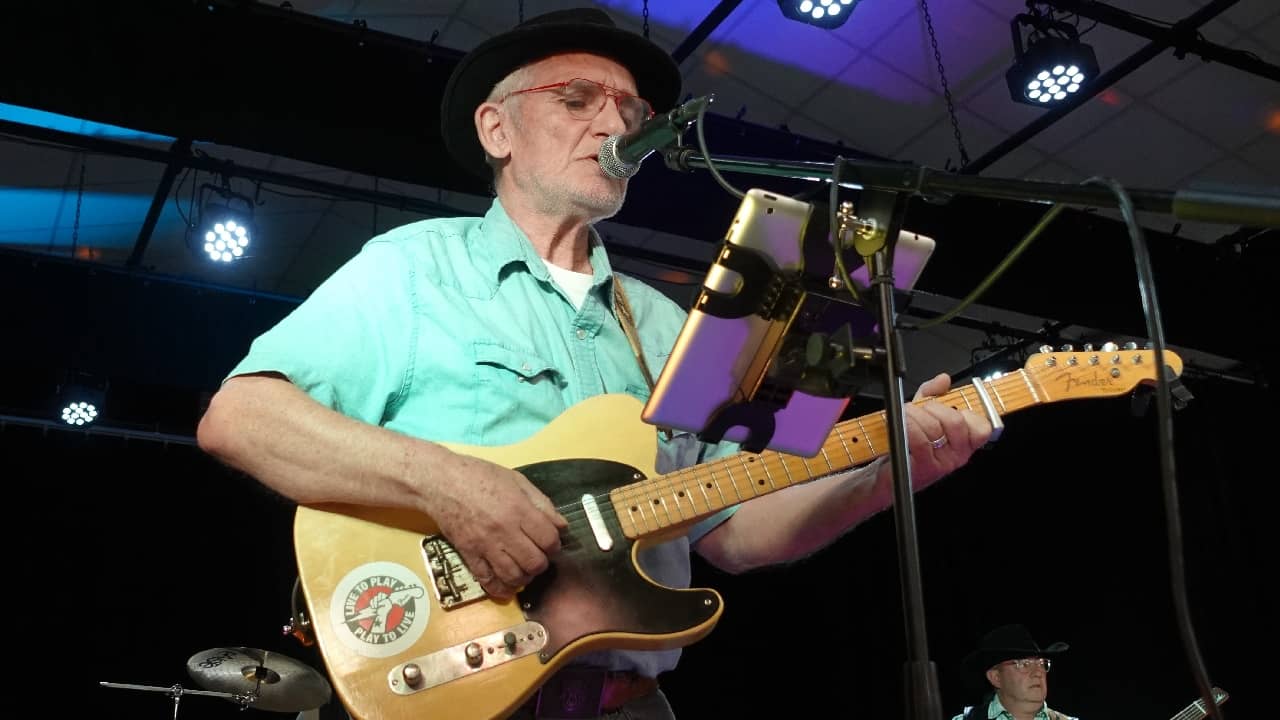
(1000, 269)
(1164, 423)
(191, 217)
(702, 145)
(177, 190)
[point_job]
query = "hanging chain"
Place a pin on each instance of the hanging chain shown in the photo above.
(645, 14)
(75, 229)
(520, 12)
(946, 89)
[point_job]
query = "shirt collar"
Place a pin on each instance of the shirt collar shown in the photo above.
(505, 243)
(997, 710)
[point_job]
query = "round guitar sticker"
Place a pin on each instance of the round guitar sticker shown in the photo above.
(379, 609)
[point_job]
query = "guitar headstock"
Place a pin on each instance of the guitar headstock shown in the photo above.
(1107, 371)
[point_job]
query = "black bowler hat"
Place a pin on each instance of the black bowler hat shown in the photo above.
(578, 30)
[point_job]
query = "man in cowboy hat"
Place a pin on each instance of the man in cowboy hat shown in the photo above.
(1017, 673)
(481, 331)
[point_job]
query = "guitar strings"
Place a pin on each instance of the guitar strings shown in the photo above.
(1013, 389)
(844, 431)
(771, 462)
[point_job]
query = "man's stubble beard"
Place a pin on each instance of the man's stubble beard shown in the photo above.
(561, 200)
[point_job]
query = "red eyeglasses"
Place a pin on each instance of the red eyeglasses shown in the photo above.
(584, 99)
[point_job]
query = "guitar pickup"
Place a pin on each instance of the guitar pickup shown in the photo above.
(452, 582)
(599, 529)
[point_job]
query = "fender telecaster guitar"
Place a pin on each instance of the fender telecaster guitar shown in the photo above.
(407, 633)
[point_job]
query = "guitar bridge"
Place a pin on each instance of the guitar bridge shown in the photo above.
(452, 582)
(467, 658)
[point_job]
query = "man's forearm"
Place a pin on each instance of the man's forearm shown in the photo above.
(270, 429)
(798, 521)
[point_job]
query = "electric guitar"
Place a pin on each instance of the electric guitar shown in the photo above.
(406, 631)
(1197, 710)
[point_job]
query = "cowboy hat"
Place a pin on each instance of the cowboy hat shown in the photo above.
(1007, 642)
(576, 30)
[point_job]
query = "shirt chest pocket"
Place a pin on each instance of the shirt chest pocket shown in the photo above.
(517, 391)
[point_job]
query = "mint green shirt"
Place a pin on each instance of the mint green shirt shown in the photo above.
(452, 330)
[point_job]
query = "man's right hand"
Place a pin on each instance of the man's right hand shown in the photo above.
(504, 528)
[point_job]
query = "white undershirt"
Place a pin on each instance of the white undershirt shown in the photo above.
(575, 284)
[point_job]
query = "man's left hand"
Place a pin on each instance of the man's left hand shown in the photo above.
(941, 438)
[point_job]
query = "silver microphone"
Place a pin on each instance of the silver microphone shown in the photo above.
(621, 155)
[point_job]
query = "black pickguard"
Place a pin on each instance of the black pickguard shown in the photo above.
(588, 591)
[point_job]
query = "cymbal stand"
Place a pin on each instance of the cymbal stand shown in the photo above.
(177, 691)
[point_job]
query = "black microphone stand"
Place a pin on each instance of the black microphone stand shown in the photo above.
(886, 189)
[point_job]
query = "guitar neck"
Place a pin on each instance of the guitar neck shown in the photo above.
(657, 505)
(1197, 709)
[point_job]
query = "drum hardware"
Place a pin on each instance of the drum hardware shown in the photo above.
(275, 682)
(250, 678)
(177, 691)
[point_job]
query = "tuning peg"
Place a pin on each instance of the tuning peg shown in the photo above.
(1109, 347)
(1131, 345)
(1046, 348)
(1067, 347)
(1088, 347)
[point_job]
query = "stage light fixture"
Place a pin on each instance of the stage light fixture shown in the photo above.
(1053, 66)
(81, 399)
(829, 14)
(80, 412)
(227, 233)
(225, 229)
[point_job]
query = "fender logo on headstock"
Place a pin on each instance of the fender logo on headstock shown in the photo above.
(1109, 371)
(1099, 380)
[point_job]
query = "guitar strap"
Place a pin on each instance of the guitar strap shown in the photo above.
(628, 322)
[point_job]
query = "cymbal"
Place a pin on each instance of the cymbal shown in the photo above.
(275, 682)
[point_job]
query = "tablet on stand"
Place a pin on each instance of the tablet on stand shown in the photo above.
(718, 381)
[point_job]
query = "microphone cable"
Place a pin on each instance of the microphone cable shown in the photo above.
(715, 173)
(1164, 425)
